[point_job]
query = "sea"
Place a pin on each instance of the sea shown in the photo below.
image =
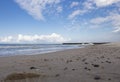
(32, 49)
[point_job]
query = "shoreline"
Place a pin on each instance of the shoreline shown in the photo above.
(44, 53)
(13, 50)
(89, 64)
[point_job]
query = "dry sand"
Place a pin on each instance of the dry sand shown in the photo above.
(98, 63)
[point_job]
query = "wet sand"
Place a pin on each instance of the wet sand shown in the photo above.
(97, 63)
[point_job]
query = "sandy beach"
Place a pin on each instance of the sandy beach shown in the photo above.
(97, 63)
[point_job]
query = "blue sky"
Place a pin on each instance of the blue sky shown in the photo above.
(57, 21)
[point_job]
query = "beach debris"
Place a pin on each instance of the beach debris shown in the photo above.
(45, 59)
(108, 61)
(97, 77)
(102, 62)
(73, 69)
(19, 76)
(97, 57)
(84, 59)
(87, 69)
(117, 57)
(33, 68)
(95, 65)
(86, 63)
(102, 57)
(57, 75)
(109, 79)
(69, 61)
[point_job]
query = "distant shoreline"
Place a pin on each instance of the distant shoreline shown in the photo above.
(30, 49)
(96, 43)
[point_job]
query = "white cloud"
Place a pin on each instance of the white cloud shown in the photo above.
(117, 29)
(6, 39)
(112, 19)
(73, 4)
(76, 13)
(59, 9)
(95, 4)
(52, 38)
(35, 7)
(88, 5)
(103, 3)
(99, 20)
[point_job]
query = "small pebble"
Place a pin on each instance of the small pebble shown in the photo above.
(118, 57)
(97, 57)
(73, 69)
(84, 59)
(97, 78)
(86, 63)
(102, 57)
(108, 61)
(32, 67)
(57, 75)
(102, 62)
(95, 65)
(45, 59)
(69, 61)
(109, 79)
(87, 69)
